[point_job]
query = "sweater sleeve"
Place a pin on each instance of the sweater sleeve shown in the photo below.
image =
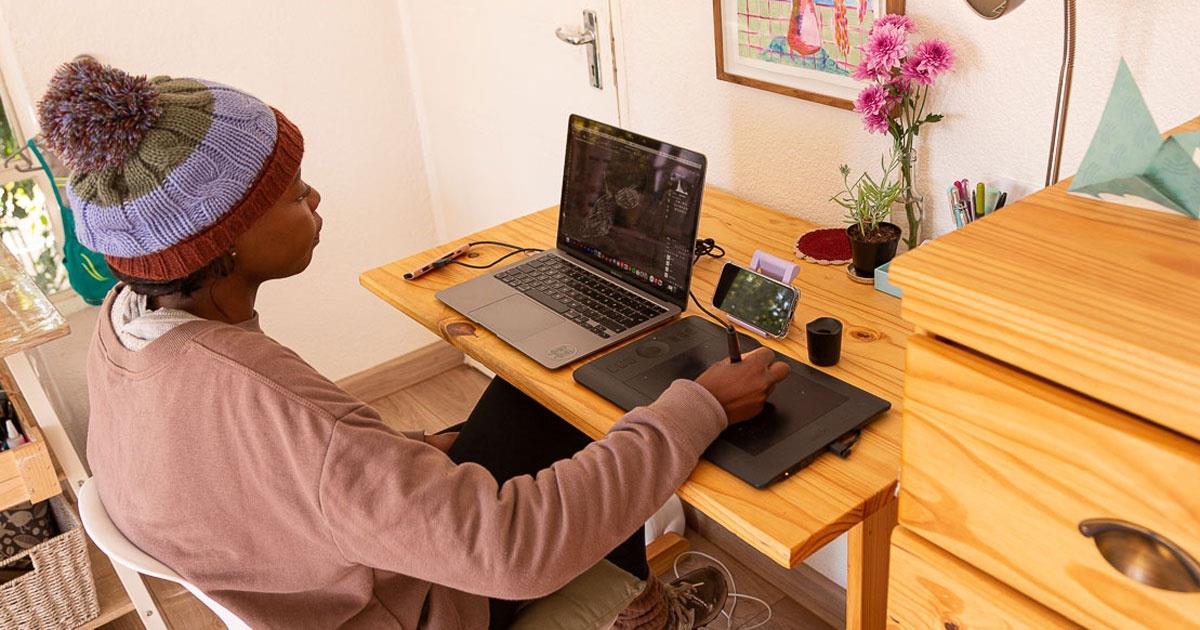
(403, 506)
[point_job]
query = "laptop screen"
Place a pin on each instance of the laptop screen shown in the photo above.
(631, 206)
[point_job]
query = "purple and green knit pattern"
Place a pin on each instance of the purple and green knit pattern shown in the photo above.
(195, 164)
(166, 172)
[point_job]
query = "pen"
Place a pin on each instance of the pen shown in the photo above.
(969, 199)
(735, 352)
(1002, 200)
(952, 194)
(964, 200)
(980, 199)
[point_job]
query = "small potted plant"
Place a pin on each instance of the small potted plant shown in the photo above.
(868, 204)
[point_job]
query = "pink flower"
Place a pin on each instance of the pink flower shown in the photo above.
(873, 100)
(898, 87)
(863, 72)
(929, 59)
(885, 47)
(903, 22)
(876, 123)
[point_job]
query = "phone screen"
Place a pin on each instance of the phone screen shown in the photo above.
(755, 299)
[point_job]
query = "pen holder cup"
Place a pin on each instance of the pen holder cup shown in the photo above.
(824, 341)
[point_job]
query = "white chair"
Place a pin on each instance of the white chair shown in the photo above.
(113, 543)
(590, 601)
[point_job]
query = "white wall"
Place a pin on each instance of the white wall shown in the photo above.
(337, 71)
(784, 152)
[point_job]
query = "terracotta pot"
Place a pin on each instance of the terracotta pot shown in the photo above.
(868, 255)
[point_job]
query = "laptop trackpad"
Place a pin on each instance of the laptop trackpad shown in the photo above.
(515, 318)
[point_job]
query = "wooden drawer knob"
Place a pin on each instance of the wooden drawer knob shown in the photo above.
(1143, 555)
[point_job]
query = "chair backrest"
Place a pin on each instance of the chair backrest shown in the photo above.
(116, 546)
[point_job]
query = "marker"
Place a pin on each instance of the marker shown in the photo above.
(980, 199)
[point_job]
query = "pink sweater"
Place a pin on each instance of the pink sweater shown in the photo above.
(227, 457)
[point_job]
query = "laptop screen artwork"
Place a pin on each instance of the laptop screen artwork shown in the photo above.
(631, 206)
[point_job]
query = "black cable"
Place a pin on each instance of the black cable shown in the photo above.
(516, 250)
(708, 247)
(500, 243)
(494, 262)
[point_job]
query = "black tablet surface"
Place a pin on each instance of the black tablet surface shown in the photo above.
(807, 412)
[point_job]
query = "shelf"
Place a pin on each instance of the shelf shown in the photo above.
(27, 472)
(114, 603)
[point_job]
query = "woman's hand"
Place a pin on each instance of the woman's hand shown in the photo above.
(743, 388)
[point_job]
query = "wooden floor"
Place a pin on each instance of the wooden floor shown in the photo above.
(447, 399)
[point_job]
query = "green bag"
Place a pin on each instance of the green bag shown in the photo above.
(86, 270)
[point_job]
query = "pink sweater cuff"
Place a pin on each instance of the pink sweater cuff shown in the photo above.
(693, 412)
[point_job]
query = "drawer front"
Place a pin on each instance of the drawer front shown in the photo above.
(1000, 468)
(929, 588)
(27, 472)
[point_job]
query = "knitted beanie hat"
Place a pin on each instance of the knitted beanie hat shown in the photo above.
(167, 172)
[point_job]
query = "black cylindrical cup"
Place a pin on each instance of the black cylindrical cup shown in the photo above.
(824, 341)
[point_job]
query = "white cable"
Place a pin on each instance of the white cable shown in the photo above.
(733, 595)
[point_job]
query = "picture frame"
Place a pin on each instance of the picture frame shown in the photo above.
(806, 49)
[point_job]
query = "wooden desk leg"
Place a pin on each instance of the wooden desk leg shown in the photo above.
(661, 553)
(866, 580)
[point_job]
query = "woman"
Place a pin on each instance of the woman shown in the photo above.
(226, 456)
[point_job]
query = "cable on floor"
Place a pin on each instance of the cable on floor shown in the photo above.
(733, 594)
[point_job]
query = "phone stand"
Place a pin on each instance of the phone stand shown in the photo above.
(774, 267)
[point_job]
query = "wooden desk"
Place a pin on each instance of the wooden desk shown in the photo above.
(792, 518)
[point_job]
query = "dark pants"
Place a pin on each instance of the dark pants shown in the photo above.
(510, 434)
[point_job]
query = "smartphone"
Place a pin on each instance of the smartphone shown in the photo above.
(763, 304)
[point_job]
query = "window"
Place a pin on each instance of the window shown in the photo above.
(27, 226)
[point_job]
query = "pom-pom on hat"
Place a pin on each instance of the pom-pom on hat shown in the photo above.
(167, 172)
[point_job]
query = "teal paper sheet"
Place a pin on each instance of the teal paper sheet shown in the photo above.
(1129, 163)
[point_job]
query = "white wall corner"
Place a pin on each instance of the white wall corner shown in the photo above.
(415, 82)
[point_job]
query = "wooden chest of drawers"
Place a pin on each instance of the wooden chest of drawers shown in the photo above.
(1051, 433)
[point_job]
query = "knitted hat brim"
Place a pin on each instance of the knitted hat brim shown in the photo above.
(183, 258)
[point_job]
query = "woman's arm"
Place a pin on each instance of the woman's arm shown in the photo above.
(401, 505)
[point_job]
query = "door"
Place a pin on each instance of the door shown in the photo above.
(496, 86)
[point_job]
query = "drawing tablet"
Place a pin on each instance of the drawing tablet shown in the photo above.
(807, 412)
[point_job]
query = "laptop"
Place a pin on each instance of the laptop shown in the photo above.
(627, 226)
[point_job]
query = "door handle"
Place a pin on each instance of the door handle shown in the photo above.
(1143, 555)
(574, 38)
(585, 36)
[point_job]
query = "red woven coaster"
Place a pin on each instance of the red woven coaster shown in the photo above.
(824, 246)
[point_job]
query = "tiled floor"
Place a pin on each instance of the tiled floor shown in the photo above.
(445, 400)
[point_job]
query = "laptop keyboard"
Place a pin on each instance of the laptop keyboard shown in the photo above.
(594, 303)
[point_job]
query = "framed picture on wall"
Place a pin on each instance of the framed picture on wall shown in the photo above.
(802, 48)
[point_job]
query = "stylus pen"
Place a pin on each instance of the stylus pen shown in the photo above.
(735, 352)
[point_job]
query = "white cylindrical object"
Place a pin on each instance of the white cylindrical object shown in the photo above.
(668, 518)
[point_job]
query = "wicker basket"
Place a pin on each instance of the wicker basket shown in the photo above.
(59, 591)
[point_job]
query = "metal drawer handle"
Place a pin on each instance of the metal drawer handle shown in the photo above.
(1143, 555)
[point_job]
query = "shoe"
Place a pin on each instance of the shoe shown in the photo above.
(696, 598)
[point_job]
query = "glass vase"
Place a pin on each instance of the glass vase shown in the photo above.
(909, 211)
(900, 216)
